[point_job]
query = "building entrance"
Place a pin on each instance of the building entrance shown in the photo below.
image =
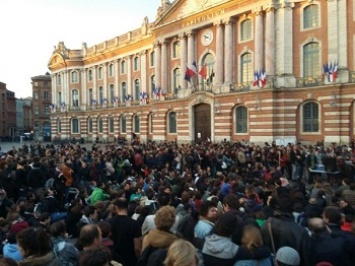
(202, 122)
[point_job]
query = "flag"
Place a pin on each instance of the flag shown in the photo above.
(189, 73)
(115, 99)
(203, 72)
(62, 107)
(330, 71)
(194, 67)
(52, 107)
(259, 78)
(128, 100)
(209, 81)
(143, 97)
(104, 101)
(160, 93)
(93, 103)
(156, 92)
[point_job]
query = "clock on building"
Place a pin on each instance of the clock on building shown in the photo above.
(207, 37)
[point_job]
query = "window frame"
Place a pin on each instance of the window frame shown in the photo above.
(314, 119)
(242, 30)
(172, 122)
(75, 126)
(241, 120)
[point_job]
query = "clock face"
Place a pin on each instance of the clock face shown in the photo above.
(207, 37)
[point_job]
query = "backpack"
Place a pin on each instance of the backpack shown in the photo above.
(144, 257)
(58, 248)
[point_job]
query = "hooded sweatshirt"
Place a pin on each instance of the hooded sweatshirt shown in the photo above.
(220, 250)
(12, 251)
(158, 239)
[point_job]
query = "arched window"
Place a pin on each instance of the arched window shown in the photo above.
(311, 16)
(111, 124)
(91, 97)
(136, 124)
(310, 117)
(101, 95)
(75, 125)
(90, 75)
(100, 125)
(123, 67)
(75, 98)
(99, 73)
(59, 125)
(59, 79)
(176, 49)
(136, 63)
(311, 60)
(152, 56)
(241, 119)
(246, 70)
(136, 89)
(112, 93)
(172, 122)
(245, 30)
(123, 124)
(74, 77)
(151, 123)
(90, 126)
(176, 80)
(208, 61)
(111, 70)
(123, 90)
(152, 85)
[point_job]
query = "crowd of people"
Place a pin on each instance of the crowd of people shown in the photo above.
(164, 203)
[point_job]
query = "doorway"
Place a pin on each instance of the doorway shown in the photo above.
(202, 114)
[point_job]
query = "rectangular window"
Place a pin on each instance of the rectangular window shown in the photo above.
(123, 125)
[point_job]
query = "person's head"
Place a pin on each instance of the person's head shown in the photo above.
(105, 228)
(165, 218)
(90, 236)
(33, 242)
(316, 225)
(181, 253)
(95, 257)
(251, 237)
(332, 215)
(226, 224)
(121, 204)
(287, 256)
(208, 210)
(91, 212)
(230, 201)
(58, 229)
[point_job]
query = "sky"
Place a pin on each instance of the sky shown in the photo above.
(29, 30)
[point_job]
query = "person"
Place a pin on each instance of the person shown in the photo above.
(126, 234)
(287, 256)
(10, 249)
(65, 250)
(181, 253)
(252, 240)
(157, 241)
(36, 248)
(97, 257)
(219, 249)
(8, 262)
(99, 193)
(51, 205)
(90, 237)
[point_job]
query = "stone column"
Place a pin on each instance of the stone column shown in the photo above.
(270, 41)
(259, 40)
(143, 57)
(129, 75)
(228, 51)
(219, 53)
(83, 91)
(164, 67)
(105, 94)
(117, 84)
(157, 65)
(94, 79)
(183, 60)
(191, 48)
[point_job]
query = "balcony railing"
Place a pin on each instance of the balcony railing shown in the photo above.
(309, 81)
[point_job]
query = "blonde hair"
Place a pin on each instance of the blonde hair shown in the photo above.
(181, 253)
(252, 238)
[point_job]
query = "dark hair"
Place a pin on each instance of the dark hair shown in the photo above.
(58, 229)
(97, 257)
(89, 210)
(34, 241)
(205, 206)
(232, 201)
(8, 262)
(105, 228)
(88, 234)
(43, 216)
(121, 203)
(333, 214)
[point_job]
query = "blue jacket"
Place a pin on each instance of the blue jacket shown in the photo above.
(12, 251)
